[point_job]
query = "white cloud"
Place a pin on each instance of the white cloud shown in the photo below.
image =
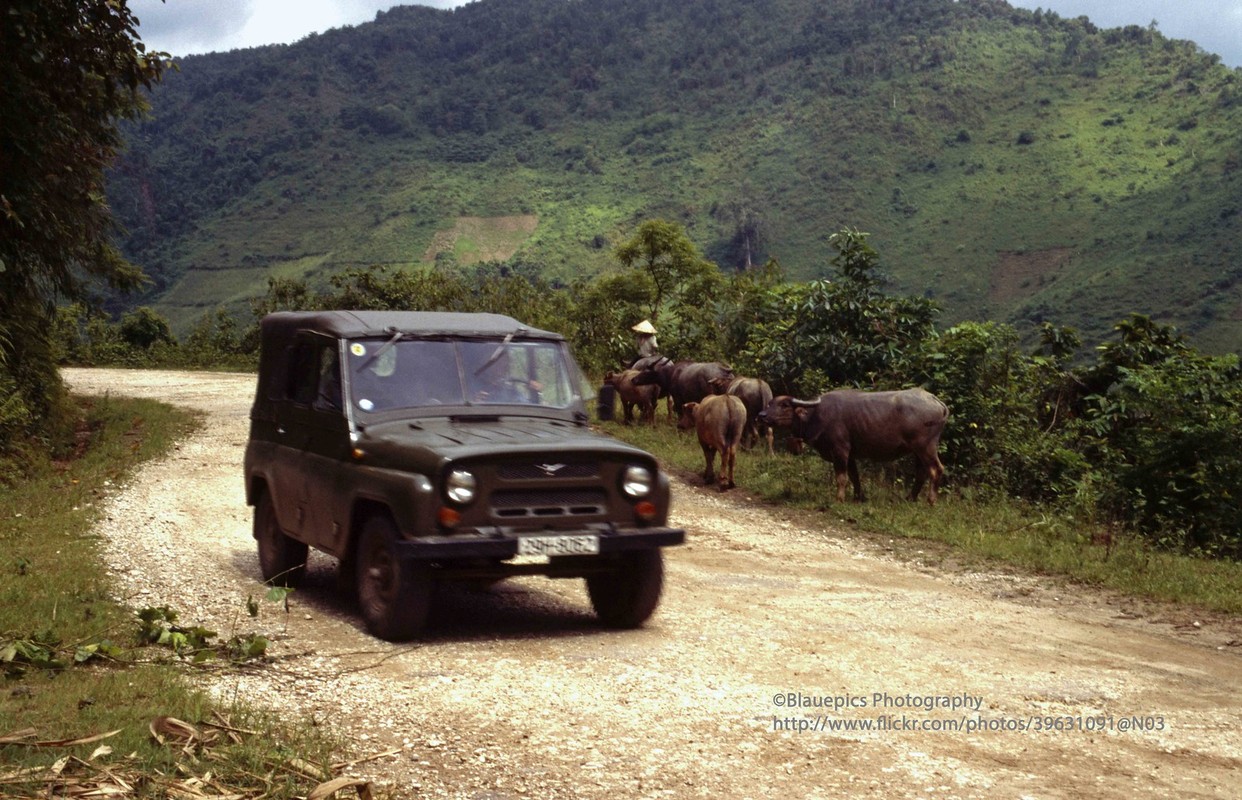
(185, 27)
(190, 26)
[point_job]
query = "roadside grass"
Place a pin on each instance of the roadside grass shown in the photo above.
(967, 528)
(83, 697)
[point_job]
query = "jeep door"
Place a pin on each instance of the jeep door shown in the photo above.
(316, 438)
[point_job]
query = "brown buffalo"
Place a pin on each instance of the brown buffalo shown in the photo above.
(683, 381)
(719, 420)
(846, 425)
(631, 396)
(755, 395)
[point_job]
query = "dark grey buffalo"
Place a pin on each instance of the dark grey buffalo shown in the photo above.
(683, 381)
(755, 394)
(846, 425)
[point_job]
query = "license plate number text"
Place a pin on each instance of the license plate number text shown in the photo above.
(583, 545)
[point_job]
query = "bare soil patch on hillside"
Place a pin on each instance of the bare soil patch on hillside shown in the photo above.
(1019, 275)
(484, 238)
(788, 659)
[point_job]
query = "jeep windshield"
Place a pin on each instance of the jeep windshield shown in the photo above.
(398, 373)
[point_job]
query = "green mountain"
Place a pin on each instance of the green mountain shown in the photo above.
(1013, 165)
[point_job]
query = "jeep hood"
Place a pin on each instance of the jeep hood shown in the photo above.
(442, 439)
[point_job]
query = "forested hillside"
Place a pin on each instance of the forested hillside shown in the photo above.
(1010, 165)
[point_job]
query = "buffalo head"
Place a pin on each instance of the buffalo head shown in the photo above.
(686, 421)
(785, 411)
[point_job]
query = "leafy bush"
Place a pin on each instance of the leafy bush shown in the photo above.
(1167, 425)
(824, 334)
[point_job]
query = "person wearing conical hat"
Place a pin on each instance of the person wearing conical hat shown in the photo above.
(646, 339)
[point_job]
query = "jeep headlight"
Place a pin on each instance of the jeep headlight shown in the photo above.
(460, 487)
(636, 483)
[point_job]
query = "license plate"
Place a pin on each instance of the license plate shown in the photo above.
(583, 545)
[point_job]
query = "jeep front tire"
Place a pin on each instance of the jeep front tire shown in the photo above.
(627, 595)
(393, 595)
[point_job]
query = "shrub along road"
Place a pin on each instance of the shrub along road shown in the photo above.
(778, 643)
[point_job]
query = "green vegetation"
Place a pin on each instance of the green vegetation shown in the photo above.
(581, 166)
(1120, 473)
(84, 672)
(72, 70)
(1014, 166)
(981, 530)
(1143, 438)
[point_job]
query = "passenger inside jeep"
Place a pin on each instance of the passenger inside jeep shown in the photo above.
(328, 394)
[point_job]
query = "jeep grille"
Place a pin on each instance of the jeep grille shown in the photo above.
(535, 503)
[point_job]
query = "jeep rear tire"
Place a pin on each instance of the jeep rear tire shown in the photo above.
(393, 595)
(282, 560)
(626, 596)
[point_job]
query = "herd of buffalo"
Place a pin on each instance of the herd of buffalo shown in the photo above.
(843, 425)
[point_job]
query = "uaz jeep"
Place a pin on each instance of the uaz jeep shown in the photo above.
(419, 447)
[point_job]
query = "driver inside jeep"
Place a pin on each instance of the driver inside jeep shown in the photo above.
(490, 377)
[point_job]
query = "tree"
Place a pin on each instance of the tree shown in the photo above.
(825, 334)
(669, 269)
(667, 257)
(143, 328)
(72, 70)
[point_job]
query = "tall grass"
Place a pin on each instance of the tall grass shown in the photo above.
(974, 526)
(55, 608)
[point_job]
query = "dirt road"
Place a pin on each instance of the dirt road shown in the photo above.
(766, 625)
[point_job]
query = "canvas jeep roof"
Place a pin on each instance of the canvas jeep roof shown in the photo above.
(284, 325)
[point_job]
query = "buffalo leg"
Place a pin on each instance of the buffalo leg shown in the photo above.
(728, 458)
(920, 477)
(935, 473)
(841, 470)
(936, 476)
(709, 456)
(854, 479)
(929, 471)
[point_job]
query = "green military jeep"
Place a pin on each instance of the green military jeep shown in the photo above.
(419, 447)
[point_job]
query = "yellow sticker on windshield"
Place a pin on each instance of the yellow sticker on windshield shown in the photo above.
(357, 349)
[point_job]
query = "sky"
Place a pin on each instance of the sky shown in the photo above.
(1214, 25)
(186, 27)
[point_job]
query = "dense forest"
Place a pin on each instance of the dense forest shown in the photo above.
(1012, 165)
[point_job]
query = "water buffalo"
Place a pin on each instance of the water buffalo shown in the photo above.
(683, 381)
(644, 397)
(846, 425)
(755, 395)
(719, 420)
(647, 363)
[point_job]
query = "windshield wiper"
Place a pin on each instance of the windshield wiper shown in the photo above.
(498, 352)
(388, 345)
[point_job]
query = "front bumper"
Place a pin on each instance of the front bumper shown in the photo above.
(503, 545)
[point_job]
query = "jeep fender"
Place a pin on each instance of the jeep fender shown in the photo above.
(409, 498)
